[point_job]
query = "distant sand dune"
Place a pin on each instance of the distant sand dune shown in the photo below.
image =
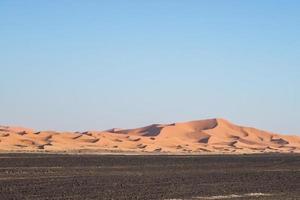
(197, 137)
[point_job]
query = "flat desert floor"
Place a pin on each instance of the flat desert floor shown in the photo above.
(50, 176)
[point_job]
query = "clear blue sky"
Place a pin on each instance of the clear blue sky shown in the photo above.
(77, 65)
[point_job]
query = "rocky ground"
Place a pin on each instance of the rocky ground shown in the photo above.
(50, 176)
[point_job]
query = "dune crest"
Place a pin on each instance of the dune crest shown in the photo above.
(195, 137)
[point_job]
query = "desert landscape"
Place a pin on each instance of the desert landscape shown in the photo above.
(149, 100)
(212, 136)
(205, 159)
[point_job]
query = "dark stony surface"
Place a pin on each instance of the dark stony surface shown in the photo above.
(49, 176)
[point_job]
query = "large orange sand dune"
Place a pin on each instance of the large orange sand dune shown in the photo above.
(203, 136)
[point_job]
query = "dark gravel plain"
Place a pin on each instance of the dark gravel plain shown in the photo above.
(50, 176)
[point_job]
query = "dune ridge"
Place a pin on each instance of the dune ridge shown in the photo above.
(195, 137)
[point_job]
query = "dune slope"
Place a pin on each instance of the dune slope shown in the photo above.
(203, 136)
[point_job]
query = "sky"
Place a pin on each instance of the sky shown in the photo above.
(95, 65)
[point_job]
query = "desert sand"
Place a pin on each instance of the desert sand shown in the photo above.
(212, 136)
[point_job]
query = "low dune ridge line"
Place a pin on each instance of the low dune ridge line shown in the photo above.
(211, 136)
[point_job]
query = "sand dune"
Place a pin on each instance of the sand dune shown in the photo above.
(203, 136)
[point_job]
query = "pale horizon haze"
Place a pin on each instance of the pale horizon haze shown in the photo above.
(96, 65)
